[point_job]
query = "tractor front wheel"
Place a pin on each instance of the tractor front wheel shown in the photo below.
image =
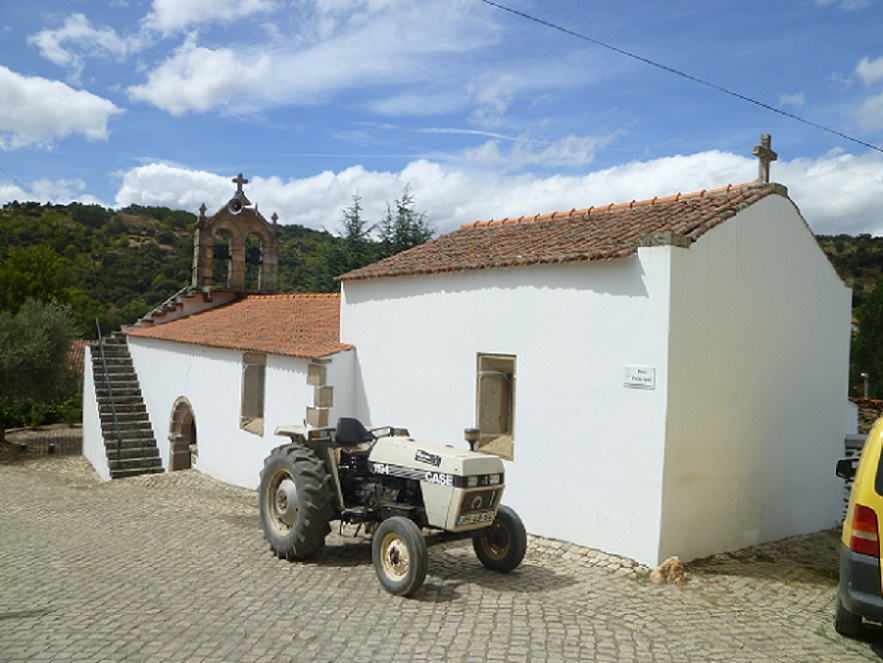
(295, 502)
(501, 546)
(400, 558)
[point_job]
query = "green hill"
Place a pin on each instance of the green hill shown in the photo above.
(858, 261)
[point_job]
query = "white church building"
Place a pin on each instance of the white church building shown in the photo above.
(663, 377)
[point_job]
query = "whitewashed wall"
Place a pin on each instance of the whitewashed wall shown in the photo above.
(93, 440)
(211, 379)
(588, 450)
(758, 385)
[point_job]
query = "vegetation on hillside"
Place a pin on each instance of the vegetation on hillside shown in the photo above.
(858, 261)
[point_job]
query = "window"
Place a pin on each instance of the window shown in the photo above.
(254, 370)
(495, 404)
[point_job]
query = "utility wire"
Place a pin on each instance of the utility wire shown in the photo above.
(17, 183)
(682, 74)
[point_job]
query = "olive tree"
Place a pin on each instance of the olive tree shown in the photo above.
(34, 353)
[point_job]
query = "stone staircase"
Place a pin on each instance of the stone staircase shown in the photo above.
(129, 441)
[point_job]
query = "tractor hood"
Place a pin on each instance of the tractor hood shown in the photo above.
(435, 461)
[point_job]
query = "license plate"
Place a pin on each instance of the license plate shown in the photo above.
(481, 518)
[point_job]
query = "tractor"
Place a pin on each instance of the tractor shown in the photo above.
(407, 494)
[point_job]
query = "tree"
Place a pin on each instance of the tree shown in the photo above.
(868, 344)
(404, 228)
(34, 351)
(357, 244)
(35, 272)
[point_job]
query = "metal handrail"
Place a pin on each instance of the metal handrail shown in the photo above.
(113, 408)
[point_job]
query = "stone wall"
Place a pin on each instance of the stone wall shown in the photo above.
(869, 410)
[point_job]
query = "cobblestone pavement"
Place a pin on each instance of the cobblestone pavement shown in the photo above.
(174, 567)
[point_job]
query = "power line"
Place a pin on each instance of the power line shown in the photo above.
(682, 74)
(20, 185)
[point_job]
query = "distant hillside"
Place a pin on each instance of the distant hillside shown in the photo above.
(117, 265)
(858, 261)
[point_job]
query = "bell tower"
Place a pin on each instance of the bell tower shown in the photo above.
(233, 243)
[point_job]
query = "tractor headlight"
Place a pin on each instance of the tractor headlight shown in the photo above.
(494, 479)
(471, 482)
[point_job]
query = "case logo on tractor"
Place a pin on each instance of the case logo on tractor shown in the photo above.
(439, 478)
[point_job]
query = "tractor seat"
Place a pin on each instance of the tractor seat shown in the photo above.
(351, 433)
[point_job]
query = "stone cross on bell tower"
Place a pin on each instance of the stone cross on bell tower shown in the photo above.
(239, 180)
(765, 156)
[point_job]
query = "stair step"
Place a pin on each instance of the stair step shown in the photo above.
(118, 392)
(135, 471)
(131, 452)
(113, 368)
(111, 360)
(134, 408)
(127, 463)
(124, 416)
(140, 448)
(118, 385)
(130, 429)
(119, 400)
(132, 436)
(140, 437)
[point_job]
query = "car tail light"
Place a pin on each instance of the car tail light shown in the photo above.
(863, 538)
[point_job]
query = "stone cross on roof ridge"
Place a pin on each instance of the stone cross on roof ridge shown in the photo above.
(239, 180)
(765, 155)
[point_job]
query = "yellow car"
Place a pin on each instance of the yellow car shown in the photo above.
(859, 595)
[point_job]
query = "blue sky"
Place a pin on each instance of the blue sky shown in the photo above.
(481, 112)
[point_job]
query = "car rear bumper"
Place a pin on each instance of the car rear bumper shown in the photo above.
(860, 584)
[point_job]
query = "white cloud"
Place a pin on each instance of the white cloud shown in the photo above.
(199, 79)
(798, 99)
(77, 38)
(870, 113)
(173, 186)
(61, 191)
(870, 71)
(168, 16)
(514, 154)
(38, 111)
(836, 193)
(846, 5)
(381, 46)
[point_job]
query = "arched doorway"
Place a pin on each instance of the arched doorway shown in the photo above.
(182, 436)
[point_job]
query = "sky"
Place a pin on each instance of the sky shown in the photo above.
(482, 111)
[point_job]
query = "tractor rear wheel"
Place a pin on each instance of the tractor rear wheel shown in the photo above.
(295, 502)
(398, 550)
(501, 546)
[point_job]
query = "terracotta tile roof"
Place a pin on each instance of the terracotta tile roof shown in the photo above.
(596, 233)
(291, 325)
(77, 355)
